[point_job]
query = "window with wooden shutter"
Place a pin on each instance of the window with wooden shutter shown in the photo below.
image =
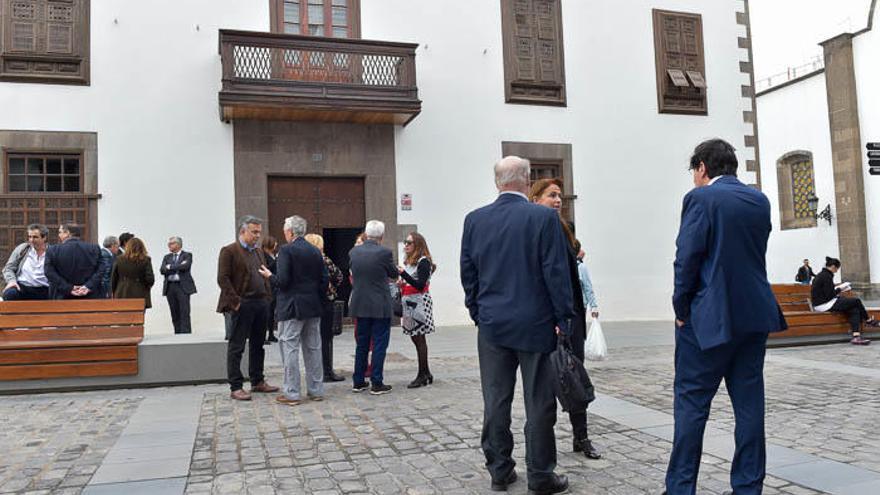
(534, 69)
(330, 18)
(44, 41)
(681, 65)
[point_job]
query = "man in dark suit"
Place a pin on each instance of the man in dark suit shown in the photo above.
(514, 270)
(179, 284)
(75, 268)
(301, 280)
(109, 251)
(372, 268)
(724, 309)
(245, 294)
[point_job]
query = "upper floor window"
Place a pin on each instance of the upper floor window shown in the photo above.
(29, 172)
(44, 41)
(797, 185)
(534, 68)
(681, 64)
(331, 18)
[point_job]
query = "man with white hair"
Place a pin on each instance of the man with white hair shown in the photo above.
(179, 284)
(514, 270)
(302, 281)
(372, 268)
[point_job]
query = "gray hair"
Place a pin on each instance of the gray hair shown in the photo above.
(296, 224)
(248, 220)
(374, 230)
(44, 231)
(176, 239)
(110, 241)
(512, 171)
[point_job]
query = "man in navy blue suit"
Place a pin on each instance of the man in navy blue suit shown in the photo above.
(75, 268)
(514, 270)
(724, 309)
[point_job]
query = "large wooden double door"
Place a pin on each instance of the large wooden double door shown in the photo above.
(325, 202)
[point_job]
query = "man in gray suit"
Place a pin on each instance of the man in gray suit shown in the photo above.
(372, 268)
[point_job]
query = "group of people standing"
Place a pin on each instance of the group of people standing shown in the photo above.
(303, 284)
(76, 269)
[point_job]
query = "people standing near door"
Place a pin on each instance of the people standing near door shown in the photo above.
(327, 310)
(25, 272)
(418, 307)
(514, 274)
(270, 250)
(548, 192)
(132, 275)
(301, 280)
(245, 295)
(372, 268)
(179, 284)
(109, 251)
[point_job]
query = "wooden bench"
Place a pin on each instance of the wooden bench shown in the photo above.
(64, 339)
(794, 299)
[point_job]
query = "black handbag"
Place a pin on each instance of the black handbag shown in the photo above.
(571, 382)
(338, 314)
(396, 300)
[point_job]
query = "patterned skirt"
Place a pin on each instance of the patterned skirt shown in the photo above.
(418, 314)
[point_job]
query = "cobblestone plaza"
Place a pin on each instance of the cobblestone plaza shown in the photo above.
(820, 402)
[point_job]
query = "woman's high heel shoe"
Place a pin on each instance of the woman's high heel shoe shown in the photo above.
(429, 377)
(420, 381)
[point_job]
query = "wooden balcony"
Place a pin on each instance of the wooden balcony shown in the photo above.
(269, 76)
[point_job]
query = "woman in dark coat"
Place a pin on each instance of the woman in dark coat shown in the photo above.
(132, 276)
(548, 192)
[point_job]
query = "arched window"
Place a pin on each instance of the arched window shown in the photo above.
(797, 184)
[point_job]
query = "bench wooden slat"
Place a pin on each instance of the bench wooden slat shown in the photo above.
(48, 344)
(69, 355)
(787, 289)
(14, 335)
(61, 320)
(805, 330)
(68, 370)
(71, 306)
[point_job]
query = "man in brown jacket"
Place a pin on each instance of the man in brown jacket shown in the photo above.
(245, 295)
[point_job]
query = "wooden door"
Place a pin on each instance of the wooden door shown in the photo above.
(325, 202)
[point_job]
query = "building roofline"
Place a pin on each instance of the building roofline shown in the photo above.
(790, 83)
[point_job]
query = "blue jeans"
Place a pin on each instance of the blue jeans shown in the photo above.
(379, 331)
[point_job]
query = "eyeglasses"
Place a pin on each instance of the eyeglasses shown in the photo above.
(407, 243)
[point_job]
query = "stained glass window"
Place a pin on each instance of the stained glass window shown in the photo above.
(803, 188)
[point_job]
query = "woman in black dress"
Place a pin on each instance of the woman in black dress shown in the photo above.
(418, 307)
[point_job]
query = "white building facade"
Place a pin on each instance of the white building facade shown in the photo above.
(182, 116)
(814, 135)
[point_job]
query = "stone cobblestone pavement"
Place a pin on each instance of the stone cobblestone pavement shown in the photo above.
(426, 441)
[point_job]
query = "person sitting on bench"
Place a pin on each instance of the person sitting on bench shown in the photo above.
(826, 297)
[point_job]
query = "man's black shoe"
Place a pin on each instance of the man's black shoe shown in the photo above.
(501, 485)
(558, 485)
(380, 389)
(360, 387)
(333, 377)
(586, 446)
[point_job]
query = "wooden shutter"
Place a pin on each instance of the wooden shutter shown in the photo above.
(45, 41)
(681, 64)
(534, 70)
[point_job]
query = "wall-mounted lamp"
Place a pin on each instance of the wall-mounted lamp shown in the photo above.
(824, 214)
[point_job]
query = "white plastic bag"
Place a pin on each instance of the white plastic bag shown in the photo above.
(595, 349)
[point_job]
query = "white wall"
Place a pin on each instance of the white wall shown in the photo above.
(790, 119)
(866, 50)
(630, 162)
(164, 156)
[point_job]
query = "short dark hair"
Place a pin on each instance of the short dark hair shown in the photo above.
(719, 157)
(73, 229)
(44, 231)
(125, 237)
(829, 261)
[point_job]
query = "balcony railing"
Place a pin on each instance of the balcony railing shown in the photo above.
(285, 77)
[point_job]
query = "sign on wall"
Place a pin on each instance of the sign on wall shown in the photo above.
(406, 202)
(873, 158)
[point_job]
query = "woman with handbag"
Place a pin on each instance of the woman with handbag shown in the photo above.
(327, 311)
(416, 303)
(548, 192)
